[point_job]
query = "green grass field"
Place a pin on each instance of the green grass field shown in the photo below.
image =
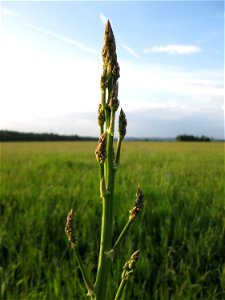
(180, 234)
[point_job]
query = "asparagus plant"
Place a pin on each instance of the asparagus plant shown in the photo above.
(108, 160)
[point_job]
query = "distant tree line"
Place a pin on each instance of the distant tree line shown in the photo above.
(15, 136)
(192, 138)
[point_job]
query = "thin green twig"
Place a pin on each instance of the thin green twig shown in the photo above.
(128, 270)
(70, 232)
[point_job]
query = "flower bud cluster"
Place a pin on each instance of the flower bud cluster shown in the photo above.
(101, 115)
(109, 56)
(138, 205)
(122, 124)
(100, 151)
(113, 101)
(128, 268)
(70, 229)
(104, 82)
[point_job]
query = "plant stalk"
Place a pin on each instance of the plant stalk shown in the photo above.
(107, 222)
(128, 270)
(120, 289)
(122, 235)
(85, 277)
(118, 149)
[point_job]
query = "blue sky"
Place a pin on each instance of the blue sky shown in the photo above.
(171, 56)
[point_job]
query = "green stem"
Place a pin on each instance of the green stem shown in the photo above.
(84, 275)
(102, 180)
(103, 98)
(118, 149)
(120, 289)
(110, 67)
(107, 124)
(105, 245)
(112, 123)
(107, 219)
(122, 235)
(101, 129)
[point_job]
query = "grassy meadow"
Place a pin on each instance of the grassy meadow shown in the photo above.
(180, 233)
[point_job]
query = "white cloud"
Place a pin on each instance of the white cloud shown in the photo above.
(174, 49)
(36, 85)
(65, 39)
(103, 19)
(83, 124)
(153, 77)
(147, 86)
(8, 12)
(130, 50)
(37, 88)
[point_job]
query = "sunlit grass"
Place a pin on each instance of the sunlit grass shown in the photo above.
(180, 234)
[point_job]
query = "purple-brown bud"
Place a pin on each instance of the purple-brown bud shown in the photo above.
(100, 151)
(113, 101)
(122, 124)
(138, 205)
(109, 56)
(70, 229)
(101, 115)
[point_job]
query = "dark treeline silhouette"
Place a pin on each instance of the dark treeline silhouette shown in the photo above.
(15, 136)
(192, 138)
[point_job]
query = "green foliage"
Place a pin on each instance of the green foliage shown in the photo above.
(180, 233)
